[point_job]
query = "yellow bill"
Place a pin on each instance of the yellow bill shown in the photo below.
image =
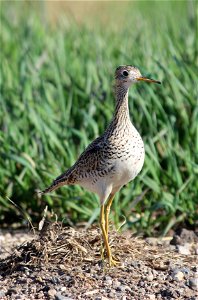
(148, 80)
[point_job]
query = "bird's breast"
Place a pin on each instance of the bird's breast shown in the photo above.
(130, 158)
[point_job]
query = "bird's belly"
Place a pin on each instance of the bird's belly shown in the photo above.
(127, 169)
(131, 161)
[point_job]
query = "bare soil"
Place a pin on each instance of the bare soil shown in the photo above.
(65, 263)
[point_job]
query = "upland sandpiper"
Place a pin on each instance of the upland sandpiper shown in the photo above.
(114, 158)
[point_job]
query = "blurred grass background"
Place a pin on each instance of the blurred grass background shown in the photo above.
(57, 67)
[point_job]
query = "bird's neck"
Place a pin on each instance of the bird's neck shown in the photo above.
(121, 122)
(121, 113)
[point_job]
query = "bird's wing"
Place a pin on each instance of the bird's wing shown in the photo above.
(95, 146)
(90, 160)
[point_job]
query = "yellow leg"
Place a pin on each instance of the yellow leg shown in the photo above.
(105, 237)
(107, 211)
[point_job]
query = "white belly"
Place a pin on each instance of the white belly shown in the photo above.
(128, 169)
(131, 163)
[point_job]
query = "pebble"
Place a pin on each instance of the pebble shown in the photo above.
(55, 280)
(40, 279)
(178, 275)
(185, 249)
(127, 288)
(150, 277)
(120, 288)
(11, 291)
(141, 283)
(116, 283)
(108, 278)
(92, 292)
(122, 280)
(62, 267)
(172, 247)
(151, 297)
(152, 241)
(108, 282)
(111, 295)
(2, 294)
(195, 269)
(67, 278)
(193, 283)
(52, 292)
(40, 295)
(183, 236)
(135, 264)
(61, 297)
(185, 270)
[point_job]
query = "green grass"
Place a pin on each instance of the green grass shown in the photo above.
(57, 96)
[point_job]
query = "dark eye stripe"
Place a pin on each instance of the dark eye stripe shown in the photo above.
(125, 73)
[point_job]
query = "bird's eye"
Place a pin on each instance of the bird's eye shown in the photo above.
(125, 73)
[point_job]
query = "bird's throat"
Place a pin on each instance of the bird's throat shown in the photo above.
(122, 107)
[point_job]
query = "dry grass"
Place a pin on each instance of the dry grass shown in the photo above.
(67, 247)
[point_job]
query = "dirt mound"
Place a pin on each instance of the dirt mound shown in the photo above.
(64, 263)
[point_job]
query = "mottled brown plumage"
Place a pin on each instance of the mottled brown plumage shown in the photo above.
(114, 158)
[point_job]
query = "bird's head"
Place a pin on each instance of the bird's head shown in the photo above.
(126, 75)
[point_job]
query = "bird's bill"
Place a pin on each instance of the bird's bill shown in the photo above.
(148, 80)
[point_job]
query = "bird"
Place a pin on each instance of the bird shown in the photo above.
(112, 159)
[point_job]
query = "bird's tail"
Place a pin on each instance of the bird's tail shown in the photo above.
(64, 179)
(55, 185)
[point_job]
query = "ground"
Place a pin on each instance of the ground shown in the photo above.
(65, 263)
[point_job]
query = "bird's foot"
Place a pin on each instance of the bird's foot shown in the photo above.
(113, 262)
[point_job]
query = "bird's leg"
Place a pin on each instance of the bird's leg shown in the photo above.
(105, 237)
(102, 226)
(107, 211)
